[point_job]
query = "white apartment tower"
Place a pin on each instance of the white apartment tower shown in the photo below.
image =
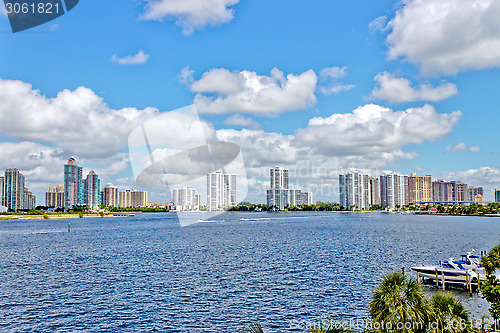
(185, 196)
(279, 178)
(355, 191)
(280, 196)
(393, 190)
(221, 191)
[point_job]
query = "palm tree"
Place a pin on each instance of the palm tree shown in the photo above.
(399, 305)
(253, 328)
(449, 314)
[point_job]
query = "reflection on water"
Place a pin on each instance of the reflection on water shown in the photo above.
(146, 272)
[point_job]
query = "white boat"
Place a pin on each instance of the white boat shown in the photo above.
(466, 270)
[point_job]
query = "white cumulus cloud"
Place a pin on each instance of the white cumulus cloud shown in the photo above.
(221, 91)
(77, 121)
(400, 90)
(373, 128)
(191, 14)
(138, 59)
(447, 36)
(462, 148)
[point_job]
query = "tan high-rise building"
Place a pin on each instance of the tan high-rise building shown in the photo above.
(55, 197)
(133, 198)
(419, 188)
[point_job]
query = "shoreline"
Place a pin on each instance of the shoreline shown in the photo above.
(50, 217)
(76, 216)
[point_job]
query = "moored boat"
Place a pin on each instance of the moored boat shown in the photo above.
(467, 270)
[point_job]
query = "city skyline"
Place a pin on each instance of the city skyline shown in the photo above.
(323, 84)
(356, 190)
(360, 191)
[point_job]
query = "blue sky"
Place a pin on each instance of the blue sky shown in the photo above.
(281, 79)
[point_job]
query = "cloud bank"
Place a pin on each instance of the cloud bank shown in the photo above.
(79, 122)
(42, 132)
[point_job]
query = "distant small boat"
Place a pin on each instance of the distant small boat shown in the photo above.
(123, 214)
(466, 270)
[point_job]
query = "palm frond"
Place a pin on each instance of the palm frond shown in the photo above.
(253, 328)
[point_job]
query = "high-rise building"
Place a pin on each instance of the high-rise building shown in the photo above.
(453, 191)
(393, 190)
(215, 191)
(374, 191)
(54, 197)
(497, 195)
(91, 190)
(280, 196)
(279, 178)
(2, 191)
(73, 185)
(419, 188)
(307, 198)
(197, 199)
(133, 198)
(295, 197)
(29, 199)
(185, 196)
(14, 195)
(230, 199)
(354, 190)
(221, 191)
(109, 196)
(472, 192)
(442, 191)
(459, 191)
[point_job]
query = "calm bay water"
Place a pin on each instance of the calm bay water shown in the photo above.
(147, 273)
